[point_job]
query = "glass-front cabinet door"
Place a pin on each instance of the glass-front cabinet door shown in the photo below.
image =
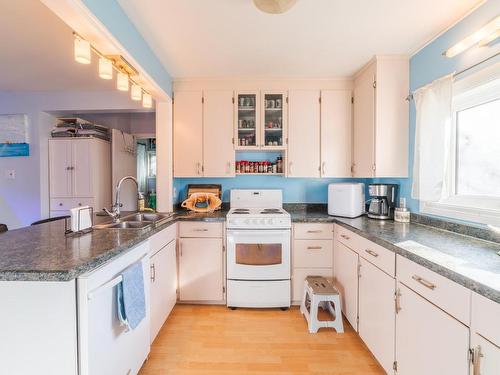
(273, 120)
(247, 120)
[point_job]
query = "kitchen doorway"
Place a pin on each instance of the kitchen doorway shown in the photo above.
(146, 170)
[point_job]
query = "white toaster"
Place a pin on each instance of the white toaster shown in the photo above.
(346, 199)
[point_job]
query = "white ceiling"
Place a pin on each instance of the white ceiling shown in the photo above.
(316, 38)
(37, 52)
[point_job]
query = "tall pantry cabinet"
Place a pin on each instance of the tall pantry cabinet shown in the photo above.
(79, 174)
(380, 126)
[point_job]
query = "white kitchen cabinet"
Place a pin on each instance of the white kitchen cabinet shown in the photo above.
(312, 254)
(304, 133)
(485, 336)
(274, 105)
(163, 276)
(428, 340)
(486, 356)
(247, 120)
(79, 174)
(60, 162)
(200, 269)
(201, 262)
(218, 148)
(188, 134)
(376, 312)
(345, 271)
(336, 133)
(203, 134)
(380, 130)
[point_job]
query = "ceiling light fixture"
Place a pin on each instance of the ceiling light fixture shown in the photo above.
(122, 81)
(274, 6)
(108, 63)
(147, 100)
(136, 92)
(82, 51)
(105, 68)
(485, 35)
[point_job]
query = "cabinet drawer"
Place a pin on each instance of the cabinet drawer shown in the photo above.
(200, 229)
(314, 231)
(378, 256)
(299, 276)
(348, 238)
(485, 314)
(64, 204)
(159, 240)
(313, 253)
(444, 293)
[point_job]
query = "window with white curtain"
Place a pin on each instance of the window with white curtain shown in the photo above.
(471, 188)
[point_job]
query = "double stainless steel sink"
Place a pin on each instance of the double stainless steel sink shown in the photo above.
(138, 221)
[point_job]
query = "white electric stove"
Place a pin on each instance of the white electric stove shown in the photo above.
(258, 250)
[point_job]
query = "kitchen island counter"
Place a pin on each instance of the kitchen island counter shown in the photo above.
(43, 253)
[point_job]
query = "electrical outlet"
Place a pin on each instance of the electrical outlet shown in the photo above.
(10, 174)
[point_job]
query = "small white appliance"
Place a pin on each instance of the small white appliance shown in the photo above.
(346, 199)
(258, 250)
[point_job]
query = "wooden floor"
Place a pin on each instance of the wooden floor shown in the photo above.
(216, 340)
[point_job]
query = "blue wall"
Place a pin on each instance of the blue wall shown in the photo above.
(429, 64)
(425, 66)
(295, 190)
(112, 16)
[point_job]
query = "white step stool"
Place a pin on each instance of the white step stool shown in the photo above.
(319, 292)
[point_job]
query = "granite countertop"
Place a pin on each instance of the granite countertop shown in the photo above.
(44, 253)
(469, 261)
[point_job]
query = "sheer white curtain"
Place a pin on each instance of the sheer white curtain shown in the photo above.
(432, 139)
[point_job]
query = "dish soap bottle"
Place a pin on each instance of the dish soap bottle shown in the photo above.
(152, 200)
(140, 201)
(401, 213)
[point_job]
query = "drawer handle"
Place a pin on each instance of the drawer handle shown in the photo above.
(314, 231)
(345, 237)
(314, 247)
(60, 204)
(200, 230)
(372, 253)
(424, 282)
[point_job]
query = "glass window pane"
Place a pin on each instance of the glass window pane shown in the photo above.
(478, 150)
(258, 254)
(247, 120)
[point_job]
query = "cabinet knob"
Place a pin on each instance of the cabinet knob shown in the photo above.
(79, 204)
(60, 204)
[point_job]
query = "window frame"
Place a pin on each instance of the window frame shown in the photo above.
(480, 88)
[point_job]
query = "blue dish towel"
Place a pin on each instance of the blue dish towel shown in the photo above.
(131, 301)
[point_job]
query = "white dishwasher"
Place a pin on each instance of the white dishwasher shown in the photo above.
(104, 346)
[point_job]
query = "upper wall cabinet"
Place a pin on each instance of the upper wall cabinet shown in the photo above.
(188, 134)
(381, 118)
(274, 119)
(336, 133)
(218, 148)
(304, 133)
(260, 120)
(247, 105)
(203, 134)
(319, 134)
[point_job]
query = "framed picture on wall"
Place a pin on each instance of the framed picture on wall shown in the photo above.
(14, 135)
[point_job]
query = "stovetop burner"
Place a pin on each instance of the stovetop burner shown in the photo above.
(271, 211)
